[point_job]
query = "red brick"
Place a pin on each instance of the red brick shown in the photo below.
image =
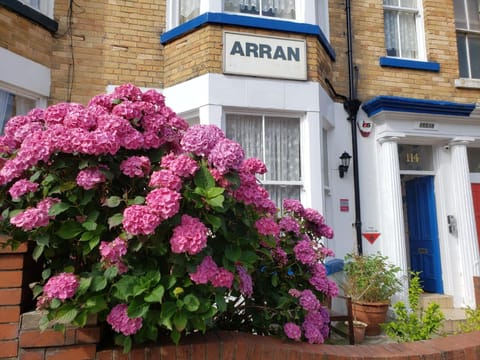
(23, 248)
(89, 335)
(37, 338)
(9, 314)
(71, 336)
(8, 331)
(8, 348)
(31, 354)
(11, 261)
(75, 352)
(137, 354)
(119, 355)
(106, 355)
(154, 353)
(9, 279)
(10, 296)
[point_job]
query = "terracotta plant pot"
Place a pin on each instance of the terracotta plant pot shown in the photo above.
(373, 314)
(358, 330)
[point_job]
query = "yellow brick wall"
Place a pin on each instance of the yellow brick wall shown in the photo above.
(23, 37)
(201, 52)
(114, 42)
(369, 46)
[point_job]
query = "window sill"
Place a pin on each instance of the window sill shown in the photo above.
(31, 14)
(467, 83)
(387, 61)
(248, 22)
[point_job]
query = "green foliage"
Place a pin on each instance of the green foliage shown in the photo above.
(472, 322)
(370, 278)
(415, 323)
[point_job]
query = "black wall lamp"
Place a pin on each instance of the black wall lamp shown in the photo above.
(345, 159)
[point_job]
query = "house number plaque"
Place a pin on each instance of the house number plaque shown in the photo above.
(415, 157)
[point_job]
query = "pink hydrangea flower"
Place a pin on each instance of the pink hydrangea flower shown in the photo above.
(280, 256)
(289, 224)
(89, 178)
(253, 166)
(246, 285)
(140, 220)
(267, 226)
(120, 321)
(21, 187)
(62, 286)
(46, 204)
(164, 202)
(200, 139)
(326, 231)
(315, 327)
(309, 301)
(305, 253)
(165, 178)
(113, 251)
(181, 165)
(293, 331)
(294, 206)
(223, 278)
(189, 237)
(127, 92)
(30, 219)
(205, 271)
(154, 97)
(136, 166)
(226, 155)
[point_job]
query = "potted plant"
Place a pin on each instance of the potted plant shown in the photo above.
(371, 281)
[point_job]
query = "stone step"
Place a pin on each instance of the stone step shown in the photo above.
(453, 319)
(444, 301)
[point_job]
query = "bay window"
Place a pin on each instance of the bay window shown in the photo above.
(276, 141)
(403, 29)
(467, 22)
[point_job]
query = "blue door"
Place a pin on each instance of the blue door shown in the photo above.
(423, 233)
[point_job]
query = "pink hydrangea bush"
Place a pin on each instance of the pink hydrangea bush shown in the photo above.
(157, 227)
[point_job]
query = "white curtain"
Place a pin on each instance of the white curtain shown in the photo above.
(189, 9)
(276, 141)
(408, 35)
(6, 108)
(401, 29)
(284, 9)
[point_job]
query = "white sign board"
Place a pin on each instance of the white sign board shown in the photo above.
(266, 56)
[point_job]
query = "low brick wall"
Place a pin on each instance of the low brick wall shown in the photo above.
(21, 339)
(241, 346)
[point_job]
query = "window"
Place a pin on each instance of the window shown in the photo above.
(276, 141)
(11, 105)
(467, 22)
(284, 9)
(188, 10)
(43, 6)
(402, 28)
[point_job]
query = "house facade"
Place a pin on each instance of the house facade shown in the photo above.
(275, 75)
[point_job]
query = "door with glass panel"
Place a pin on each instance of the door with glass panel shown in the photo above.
(276, 141)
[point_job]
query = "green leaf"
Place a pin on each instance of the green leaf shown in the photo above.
(191, 302)
(46, 274)
(180, 320)
(274, 280)
(58, 208)
(66, 314)
(248, 257)
(138, 200)
(233, 253)
(87, 236)
(122, 289)
(137, 308)
(216, 201)
(214, 192)
(84, 285)
(96, 304)
(156, 295)
(87, 197)
(115, 220)
(111, 272)
(215, 221)
(220, 301)
(98, 283)
(43, 239)
(37, 252)
(70, 229)
(89, 225)
(93, 215)
(175, 336)
(168, 310)
(113, 201)
(81, 319)
(203, 178)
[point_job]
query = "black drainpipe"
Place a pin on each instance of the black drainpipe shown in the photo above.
(352, 105)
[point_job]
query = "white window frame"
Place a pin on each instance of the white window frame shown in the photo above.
(307, 11)
(303, 161)
(473, 82)
(45, 6)
(419, 25)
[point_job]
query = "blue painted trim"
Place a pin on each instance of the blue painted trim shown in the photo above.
(399, 104)
(409, 64)
(249, 22)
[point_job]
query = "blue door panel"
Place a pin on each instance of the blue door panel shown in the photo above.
(423, 233)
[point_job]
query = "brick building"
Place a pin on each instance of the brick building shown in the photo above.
(275, 75)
